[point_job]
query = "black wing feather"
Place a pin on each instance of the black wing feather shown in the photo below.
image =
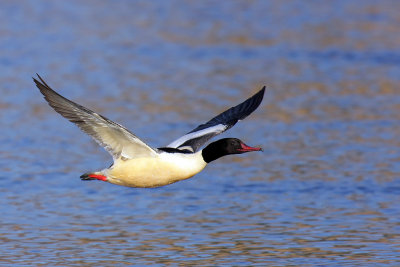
(224, 121)
(231, 116)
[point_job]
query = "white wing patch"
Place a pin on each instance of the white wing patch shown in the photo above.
(217, 129)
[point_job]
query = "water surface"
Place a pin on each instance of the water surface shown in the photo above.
(324, 192)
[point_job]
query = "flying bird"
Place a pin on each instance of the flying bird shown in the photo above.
(136, 164)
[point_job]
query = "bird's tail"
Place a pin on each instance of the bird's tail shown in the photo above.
(93, 176)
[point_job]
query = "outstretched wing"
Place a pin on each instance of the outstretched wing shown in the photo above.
(196, 138)
(117, 140)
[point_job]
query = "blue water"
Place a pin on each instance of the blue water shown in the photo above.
(325, 191)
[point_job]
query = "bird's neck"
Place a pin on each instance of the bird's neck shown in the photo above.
(212, 152)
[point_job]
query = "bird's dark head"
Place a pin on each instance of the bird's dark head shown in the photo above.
(225, 147)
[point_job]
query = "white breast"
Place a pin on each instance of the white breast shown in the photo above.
(164, 169)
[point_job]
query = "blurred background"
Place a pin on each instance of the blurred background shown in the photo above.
(324, 192)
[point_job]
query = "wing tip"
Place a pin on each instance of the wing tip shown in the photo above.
(40, 83)
(262, 91)
(256, 99)
(45, 89)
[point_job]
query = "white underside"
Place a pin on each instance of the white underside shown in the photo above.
(165, 168)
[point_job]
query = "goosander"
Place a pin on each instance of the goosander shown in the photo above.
(138, 165)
